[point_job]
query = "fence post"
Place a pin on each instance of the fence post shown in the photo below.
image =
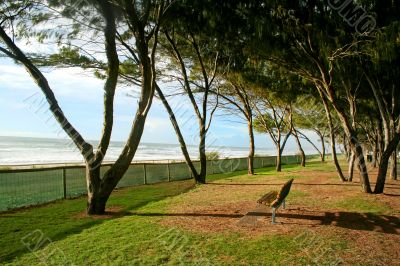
(169, 172)
(64, 178)
(144, 174)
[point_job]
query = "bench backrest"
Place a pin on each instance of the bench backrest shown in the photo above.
(282, 194)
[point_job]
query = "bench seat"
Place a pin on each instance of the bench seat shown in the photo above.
(275, 199)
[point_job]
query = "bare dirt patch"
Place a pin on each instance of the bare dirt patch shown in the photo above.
(218, 206)
(111, 212)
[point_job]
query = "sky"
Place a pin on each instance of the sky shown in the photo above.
(24, 112)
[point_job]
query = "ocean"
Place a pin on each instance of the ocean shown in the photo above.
(22, 150)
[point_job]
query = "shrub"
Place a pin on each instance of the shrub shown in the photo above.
(213, 155)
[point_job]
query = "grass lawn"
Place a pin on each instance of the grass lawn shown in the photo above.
(325, 223)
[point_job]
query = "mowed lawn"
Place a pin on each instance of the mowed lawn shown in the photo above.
(326, 222)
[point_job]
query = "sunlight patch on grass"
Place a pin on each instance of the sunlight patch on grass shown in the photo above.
(361, 205)
(141, 240)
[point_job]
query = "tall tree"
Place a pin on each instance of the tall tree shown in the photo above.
(272, 118)
(143, 20)
(195, 59)
(308, 39)
(309, 114)
(236, 97)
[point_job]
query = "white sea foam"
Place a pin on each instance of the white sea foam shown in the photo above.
(17, 150)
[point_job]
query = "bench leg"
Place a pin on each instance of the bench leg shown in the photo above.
(283, 204)
(273, 215)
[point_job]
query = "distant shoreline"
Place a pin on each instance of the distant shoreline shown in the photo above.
(121, 142)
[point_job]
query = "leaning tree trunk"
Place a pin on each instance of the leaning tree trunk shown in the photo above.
(375, 154)
(146, 56)
(393, 173)
(362, 166)
(350, 132)
(251, 151)
(201, 178)
(384, 163)
(332, 135)
(346, 147)
(309, 141)
(178, 132)
(301, 151)
(351, 166)
(335, 159)
(393, 164)
(323, 151)
(278, 158)
(103, 190)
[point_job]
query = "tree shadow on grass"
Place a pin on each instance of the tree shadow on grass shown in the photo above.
(391, 195)
(390, 186)
(58, 220)
(350, 220)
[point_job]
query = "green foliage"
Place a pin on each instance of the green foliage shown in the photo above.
(213, 155)
(67, 57)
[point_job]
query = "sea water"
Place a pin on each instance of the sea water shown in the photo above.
(22, 150)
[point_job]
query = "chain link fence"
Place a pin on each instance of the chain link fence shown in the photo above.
(36, 185)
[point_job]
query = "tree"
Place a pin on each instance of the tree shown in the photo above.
(236, 96)
(194, 57)
(307, 40)
(143, 27)
(310, 115)
(272, 117)
(381, 71)
(296, 136)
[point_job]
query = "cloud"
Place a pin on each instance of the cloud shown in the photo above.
(31, 134)
(157, 124)
(71, 82)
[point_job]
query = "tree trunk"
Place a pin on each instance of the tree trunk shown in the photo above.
(393, 164)
(323, 151)
(346, 148)
(321, 155)
(278, 158)
(301, 151)
(393, 173)
(178, 132)
(375, 154)
(251, 151)
(332, 135)
(384, 163)
(380, 142)
(335, 159)
(201, 178)
(354, 143)
(95, 204)
(362, 166)
(112, 176)
(351, 166)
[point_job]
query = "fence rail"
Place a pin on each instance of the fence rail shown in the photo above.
(26, 186)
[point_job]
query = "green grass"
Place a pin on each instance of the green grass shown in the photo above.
(140, 240)
(361, 205)
(135, 241)
(19, 189)
(57, 221)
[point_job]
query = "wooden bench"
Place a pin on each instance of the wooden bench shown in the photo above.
(275, 199)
